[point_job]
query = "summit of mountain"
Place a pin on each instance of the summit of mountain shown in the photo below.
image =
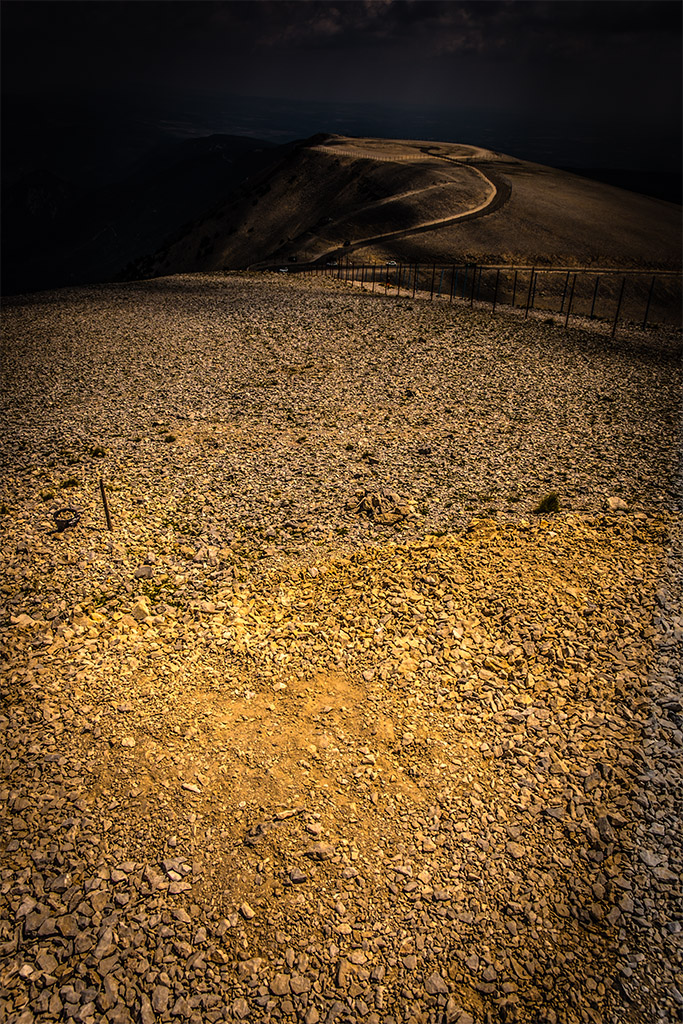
(420, 201)
(225, 202)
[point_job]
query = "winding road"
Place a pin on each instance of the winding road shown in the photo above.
(498, 192)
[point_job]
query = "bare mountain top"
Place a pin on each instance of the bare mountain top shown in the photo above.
(420, 200)
(331, 718)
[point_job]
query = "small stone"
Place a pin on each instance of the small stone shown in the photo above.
(248, 968)
(119, 1015)
(435, 985)
(47, 962)
(240, 1008)
(140, 610)
(320, 851)
(515, 850)
(343, 973)
(181, 1008)
(105, 947)
(146, 1012)
(67, 926)
(279, 986)
(617, 504)
(452, 1011)
(160, 998)
(246, 911)
(109, 995)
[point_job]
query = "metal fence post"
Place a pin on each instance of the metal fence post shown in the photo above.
(595, 295)
(564, 293)
(454, 282)
(431, 292)
(616, 315)
(495, 290)
(415, 271)
(571, 298)
(474, 281)
(514, 290)
(528, 297)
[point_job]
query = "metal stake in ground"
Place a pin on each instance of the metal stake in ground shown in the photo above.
(649, 299)
(106, 506)
(595, 295)
(528, 298)
(616, 315)
(571, 298)
(564, 293)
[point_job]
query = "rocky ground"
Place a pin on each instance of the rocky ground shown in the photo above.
(333, 725)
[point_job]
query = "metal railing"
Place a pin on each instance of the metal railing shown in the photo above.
(637, 298)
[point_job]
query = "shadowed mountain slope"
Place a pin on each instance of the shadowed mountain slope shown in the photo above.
(59, 233)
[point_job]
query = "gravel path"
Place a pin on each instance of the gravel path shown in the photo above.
(333, 726)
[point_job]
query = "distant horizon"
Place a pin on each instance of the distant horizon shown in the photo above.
(97, 139)
(89, 87)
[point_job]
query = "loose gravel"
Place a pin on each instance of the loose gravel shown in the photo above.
(333, 725)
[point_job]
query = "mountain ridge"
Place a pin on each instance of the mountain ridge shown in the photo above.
(224, 202)
(421, 201)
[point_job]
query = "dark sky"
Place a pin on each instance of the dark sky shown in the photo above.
(582, 83)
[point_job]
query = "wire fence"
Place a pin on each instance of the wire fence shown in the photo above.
(634, 298)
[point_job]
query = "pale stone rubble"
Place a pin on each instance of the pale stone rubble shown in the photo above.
(332, 726)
